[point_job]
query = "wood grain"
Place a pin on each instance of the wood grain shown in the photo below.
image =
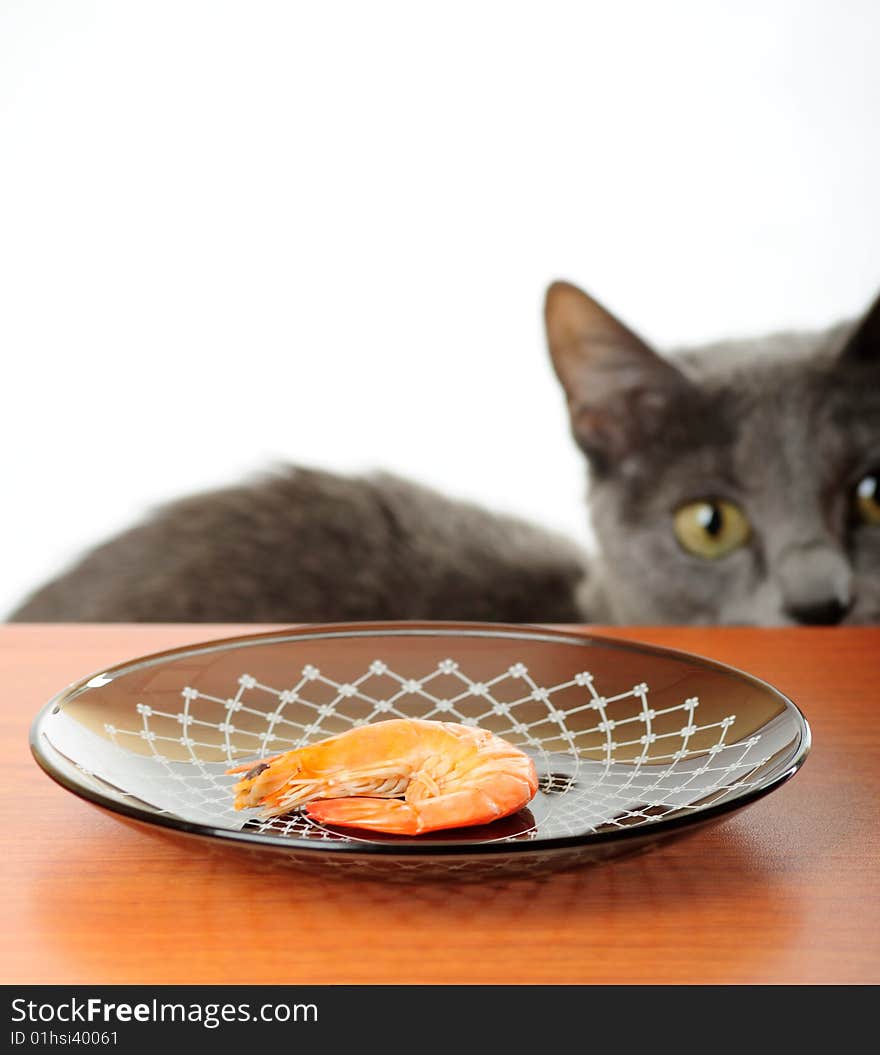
(783, 892)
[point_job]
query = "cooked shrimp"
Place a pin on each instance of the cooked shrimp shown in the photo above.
(404, 776)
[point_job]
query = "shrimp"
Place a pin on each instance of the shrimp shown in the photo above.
(405, 776)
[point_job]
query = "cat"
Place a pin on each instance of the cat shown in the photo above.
(736, 483)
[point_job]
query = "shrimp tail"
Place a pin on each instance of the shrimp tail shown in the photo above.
(379, 815)
(456, 809)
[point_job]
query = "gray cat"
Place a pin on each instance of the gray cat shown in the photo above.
(734, 483)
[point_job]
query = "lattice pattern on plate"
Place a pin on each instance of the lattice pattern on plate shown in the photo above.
(603, 761)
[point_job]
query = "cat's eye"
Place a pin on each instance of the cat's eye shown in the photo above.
(868, 498)
(711, 528)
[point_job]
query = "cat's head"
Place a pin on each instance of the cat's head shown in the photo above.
(735, 483)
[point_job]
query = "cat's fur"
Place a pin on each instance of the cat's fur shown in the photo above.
(304, 546)
(784, 426)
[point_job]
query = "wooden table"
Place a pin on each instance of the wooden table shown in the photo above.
(784, 891)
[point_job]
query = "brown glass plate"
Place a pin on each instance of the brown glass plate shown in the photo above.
(632, 743)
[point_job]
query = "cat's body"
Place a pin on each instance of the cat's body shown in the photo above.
(737, 483)
(299, 545)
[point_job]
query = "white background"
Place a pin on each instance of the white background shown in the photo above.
(236, 233)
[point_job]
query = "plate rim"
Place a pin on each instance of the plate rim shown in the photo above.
(425, 851)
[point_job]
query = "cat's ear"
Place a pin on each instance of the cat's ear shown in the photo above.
(863, 345)
(618, 388)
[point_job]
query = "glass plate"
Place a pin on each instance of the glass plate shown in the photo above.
(632, 743)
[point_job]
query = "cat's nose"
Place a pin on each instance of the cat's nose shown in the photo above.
(824, 613)
(816, 582)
